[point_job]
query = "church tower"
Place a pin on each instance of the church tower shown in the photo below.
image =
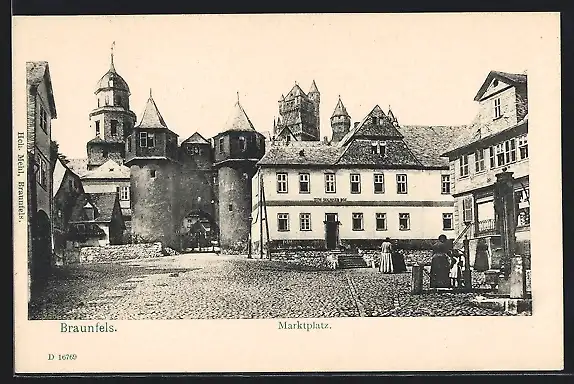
(340, 122)
(152, 155)
(111, 121)
(237, 150)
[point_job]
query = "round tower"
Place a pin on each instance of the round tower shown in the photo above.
(152, 155)
(340, 122)
(237, 150)
(111, 121)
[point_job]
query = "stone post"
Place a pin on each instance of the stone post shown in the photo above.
(417, 280)
(467, 275)
(506, 218)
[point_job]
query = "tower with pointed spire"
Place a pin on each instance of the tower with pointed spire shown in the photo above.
(152, 155)
(111, 121)
(237, 150)
(340, 122)
(299, 114)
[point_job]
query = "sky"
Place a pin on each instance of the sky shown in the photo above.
(427, 67)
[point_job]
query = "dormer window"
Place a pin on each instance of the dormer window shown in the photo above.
(374, 120)
(497, 110)
(495, 83)
(378, 147)
(90, 211)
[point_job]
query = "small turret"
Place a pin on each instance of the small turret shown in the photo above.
(340, 122)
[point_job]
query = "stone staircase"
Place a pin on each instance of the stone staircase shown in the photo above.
(351, 260)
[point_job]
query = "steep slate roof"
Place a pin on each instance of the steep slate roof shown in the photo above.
(238, 120)
(397, 154)
(196, 138)
(151, 117)
(428, 143)
(78, 166)
(36, 72)
(366, 128)
(295, 91)
(104, 203)
(109, 170)
(301, 153)
(313, 88)
(340, 109)
(510, 78)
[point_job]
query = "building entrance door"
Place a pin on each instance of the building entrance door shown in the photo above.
(331, 230)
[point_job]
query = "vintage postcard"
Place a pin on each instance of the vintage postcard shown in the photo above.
(287, 193)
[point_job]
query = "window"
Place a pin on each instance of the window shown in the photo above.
(281, 183)
(304, 183)
(381, 220)
(375, 120)
(523, 147)
(330, 186)
(479, 160)
(117, 100)
(143, 139)
(97, 128)
(283, 222)
(467, 209)
(242, 145)
(404, 221)
(43, 119)
(401, 183)
(230, 207)
(379, 183)
(497, 112)
(445, 184)
(464, 166)
(355, 183)
(129, 144)
(492, 157)
(125, 193)
(152, 173)
(357, 221)
(114, 128)
(107, 100)
(378, 147)
(447, 221)
(505, 152)
(221, 144)
(305, 221)
(150, 140)
(41, 175)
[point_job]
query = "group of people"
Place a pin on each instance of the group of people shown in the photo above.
(446, 264)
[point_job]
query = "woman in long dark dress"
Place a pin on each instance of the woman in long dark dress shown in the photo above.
(399, 265)
(440, 265)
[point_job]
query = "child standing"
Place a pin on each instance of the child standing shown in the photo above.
(455, 269)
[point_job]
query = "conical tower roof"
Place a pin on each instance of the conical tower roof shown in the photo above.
(238, 120)
(313, 88)
(340, 109)
(151, 117)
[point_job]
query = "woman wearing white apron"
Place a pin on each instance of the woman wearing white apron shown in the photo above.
(386, 257)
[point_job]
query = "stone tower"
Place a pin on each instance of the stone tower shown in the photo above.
(152, 155)
(111, 121)
(340, 122)
(237, 149)
(299, 114)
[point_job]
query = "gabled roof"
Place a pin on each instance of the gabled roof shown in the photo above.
(301, 153)
(36, 72)
(196, 138)
(103, 202)
(59, 174)
(510, 78)
(238, 120)
(151, 117)
(313, 88)
(367, 129)
(428, 143)
(78, 166)
(294, 92)
(109, 170)
(286, 132)
(98, 139)
(340, 109)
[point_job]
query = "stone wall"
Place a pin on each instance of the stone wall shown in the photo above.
(112, 253)
(318, 260)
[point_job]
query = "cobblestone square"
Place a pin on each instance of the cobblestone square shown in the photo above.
(207, 286)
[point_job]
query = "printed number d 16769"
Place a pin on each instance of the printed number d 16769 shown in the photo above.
(66, 356)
